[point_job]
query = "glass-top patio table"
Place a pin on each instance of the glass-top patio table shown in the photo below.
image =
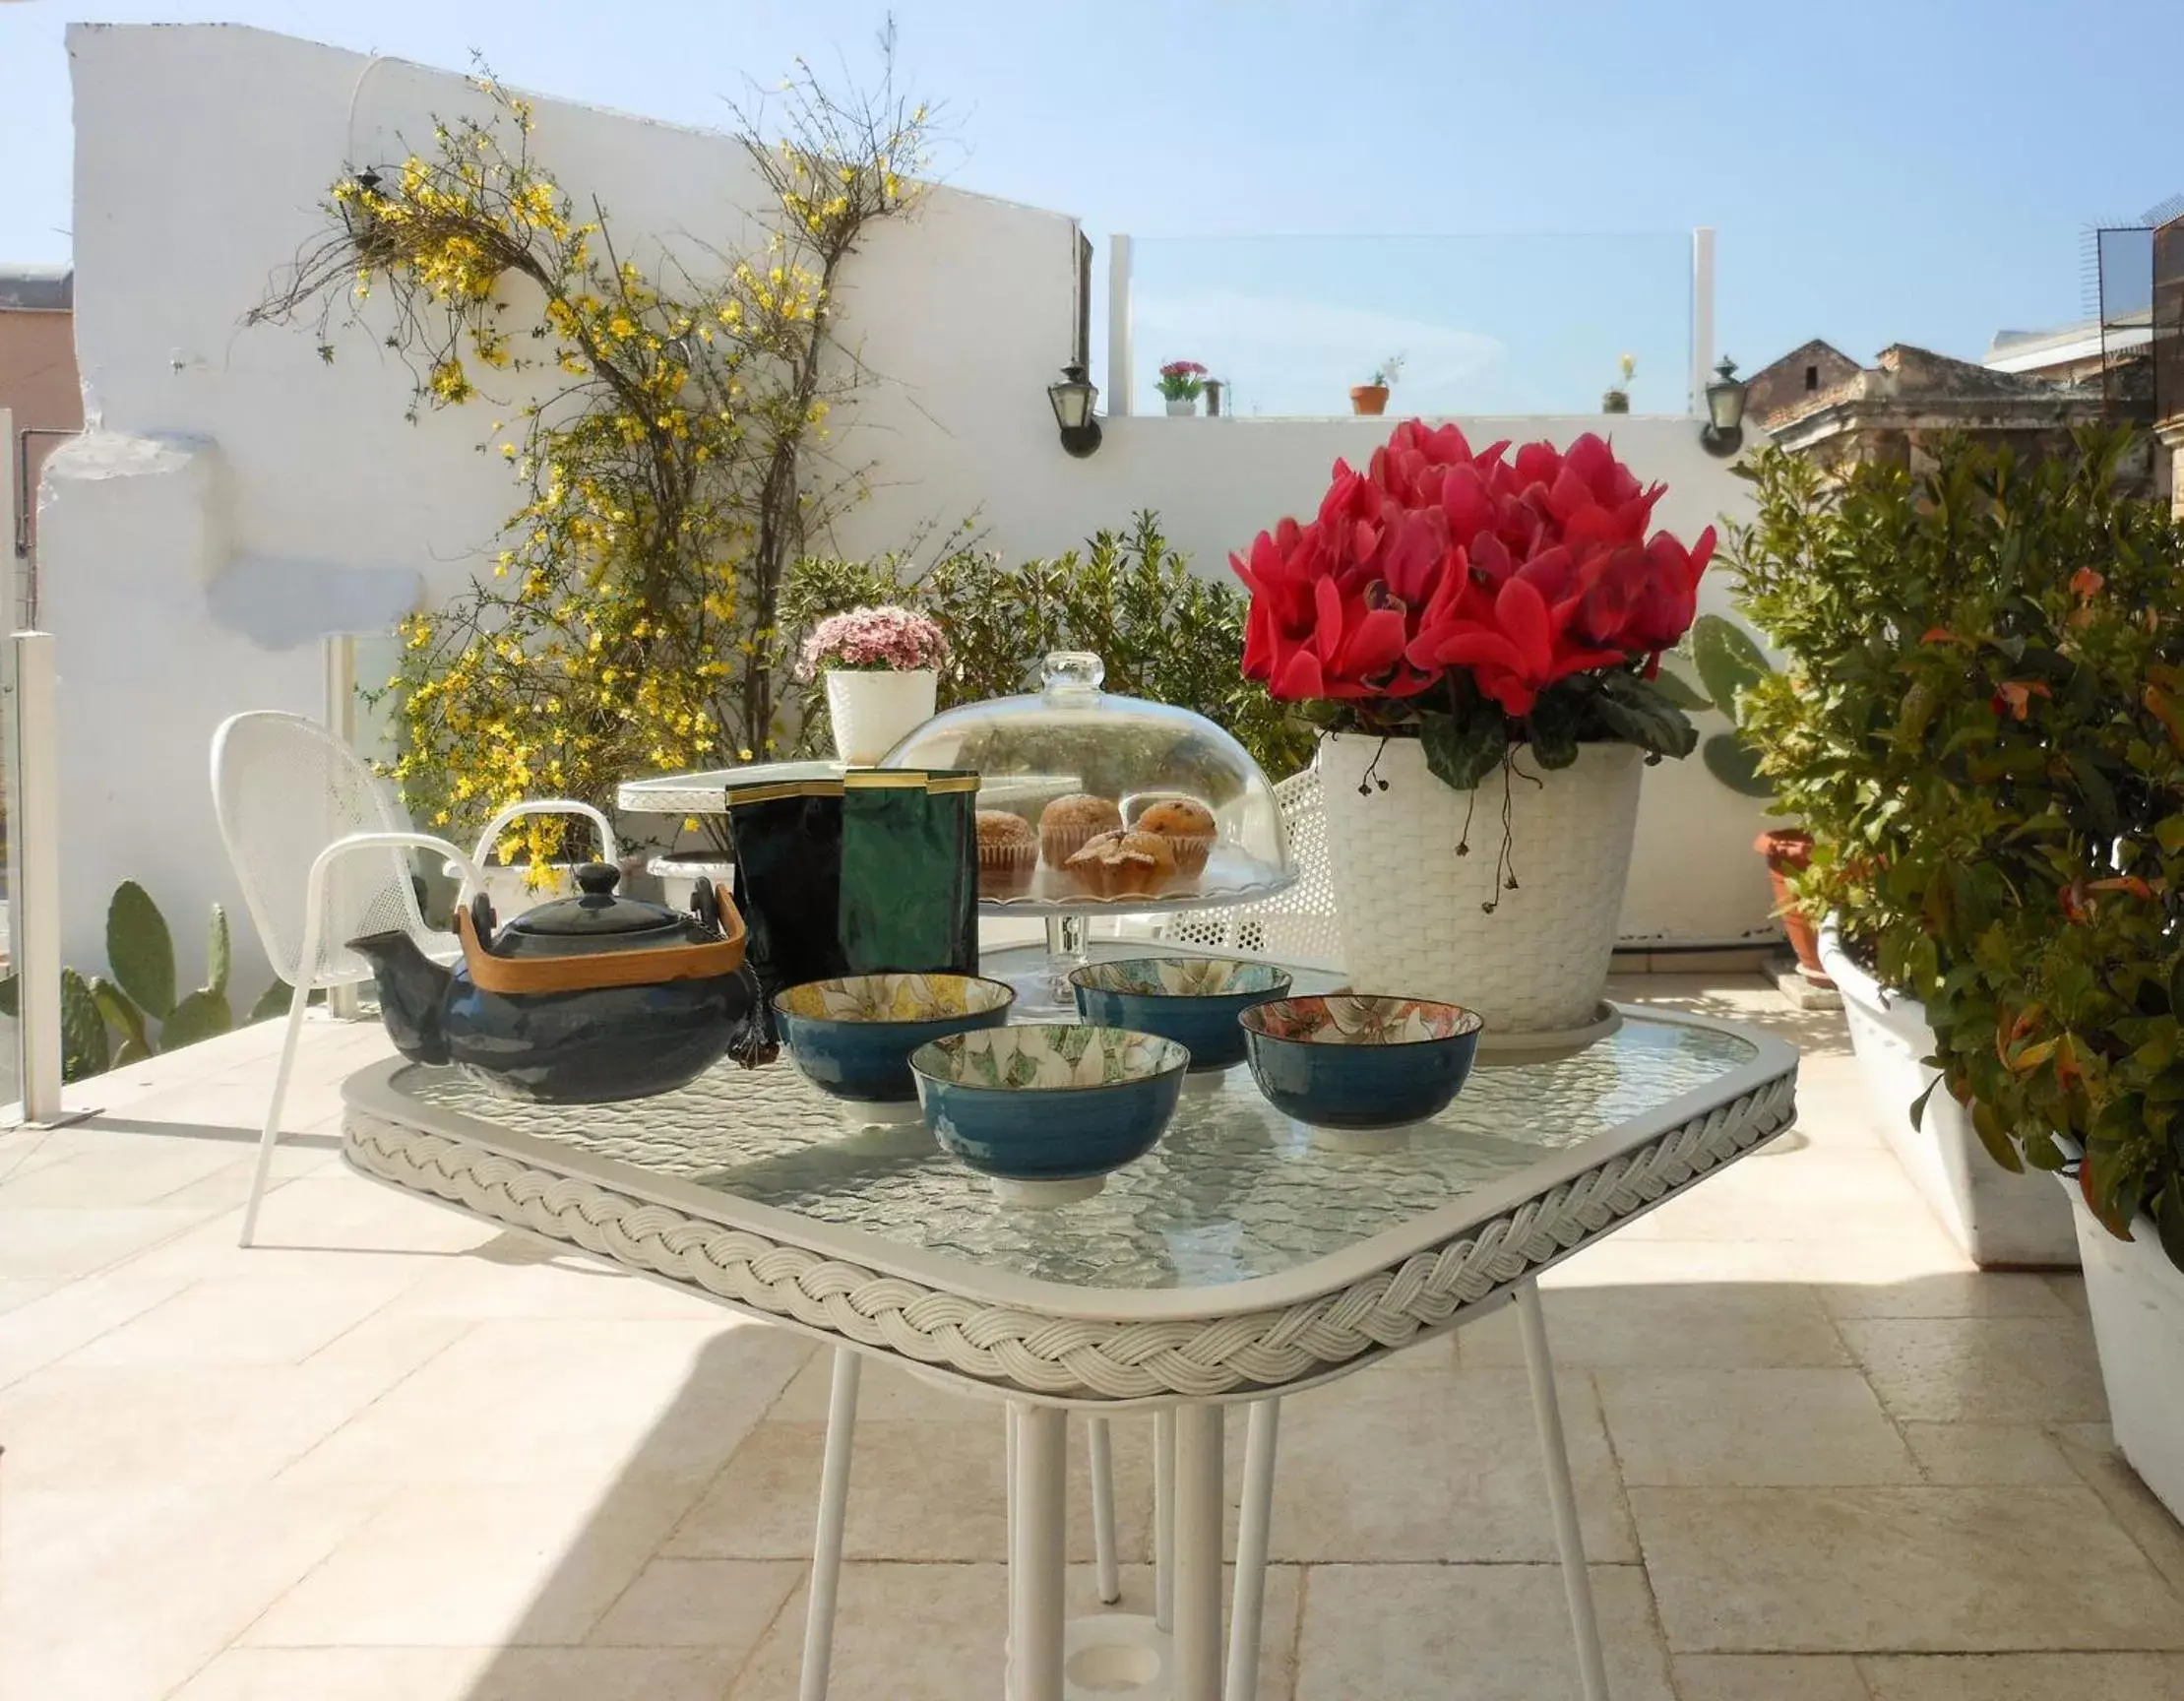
(1243, 1258)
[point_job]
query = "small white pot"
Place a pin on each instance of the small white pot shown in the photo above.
(2137, 1298)
(1182, 406)
(2000, 1220)
(872, 708)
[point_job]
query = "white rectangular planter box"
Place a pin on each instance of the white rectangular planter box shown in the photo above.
(2000, 1220)
(2137, 1296)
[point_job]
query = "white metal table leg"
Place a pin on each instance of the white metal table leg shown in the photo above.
(1036, 1549)
(834, 1509)
(1577, 1583)
(1008, 1535)
(1198, 1552)
(1247, 1614)
(1163, 1518)
(1104, 1510)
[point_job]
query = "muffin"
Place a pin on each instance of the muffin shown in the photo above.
(1067, 822)
(1188, 827)
(1008, 853)
(1123, 864)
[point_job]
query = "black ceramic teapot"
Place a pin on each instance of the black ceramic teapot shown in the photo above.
(584, 999)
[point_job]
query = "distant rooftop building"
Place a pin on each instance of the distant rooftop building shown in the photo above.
(1818, 403)
(1788, 384)
(40, 392)
(2073, 354)
(37, 288)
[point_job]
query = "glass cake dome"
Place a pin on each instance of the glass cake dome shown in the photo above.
(1090, 776)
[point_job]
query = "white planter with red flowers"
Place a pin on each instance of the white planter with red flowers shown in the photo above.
(1480, 632)
(1520, 929)
(879, 668)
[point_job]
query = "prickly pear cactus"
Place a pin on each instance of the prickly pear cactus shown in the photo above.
(84, 1052)
(141, 951)
(219, 955)
(199, 1015)
(1737, 765)
(121, 1013)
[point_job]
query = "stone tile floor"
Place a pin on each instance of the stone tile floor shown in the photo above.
(388, 1456)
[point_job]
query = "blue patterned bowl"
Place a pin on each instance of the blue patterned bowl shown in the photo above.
(1050, 1109)
(1193, 1000)
(853, 1037)
(1352, 1060)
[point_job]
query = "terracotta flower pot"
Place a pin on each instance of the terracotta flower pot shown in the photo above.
(1368, 399)
(1787, 851)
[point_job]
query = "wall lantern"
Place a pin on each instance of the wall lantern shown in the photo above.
(1073, 400)
(1723, 431)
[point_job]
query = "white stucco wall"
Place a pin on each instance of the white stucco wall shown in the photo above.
(237, 498)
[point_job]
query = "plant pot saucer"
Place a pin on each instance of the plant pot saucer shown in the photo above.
(1045, 1195)
(890, 1113)
(1366, 1142)
(1497, 1046)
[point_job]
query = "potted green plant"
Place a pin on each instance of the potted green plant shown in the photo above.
(1617, 399)
(1863, 734)
(1730, 664)
(1180, 382)
(2041, 736)
(1372, 398)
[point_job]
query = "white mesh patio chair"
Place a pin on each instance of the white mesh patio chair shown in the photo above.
(1293, 927)
(321, 852)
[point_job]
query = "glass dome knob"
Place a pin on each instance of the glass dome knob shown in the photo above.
(1071, 673)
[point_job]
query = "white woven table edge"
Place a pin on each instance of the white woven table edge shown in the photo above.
(1013, 1348)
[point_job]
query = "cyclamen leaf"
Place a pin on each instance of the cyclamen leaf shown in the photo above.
(1461, 753)
(1633, 710)
(1552, 727)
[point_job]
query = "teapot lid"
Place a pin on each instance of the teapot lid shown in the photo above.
(597, 917)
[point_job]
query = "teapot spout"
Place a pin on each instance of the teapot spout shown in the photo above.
(412, 989)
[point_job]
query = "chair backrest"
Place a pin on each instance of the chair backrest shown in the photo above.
(1297, 925)
(284, 789)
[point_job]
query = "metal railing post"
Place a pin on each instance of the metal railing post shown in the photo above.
(1118, 327)
(1702, 316)
(35, 873)
(345, 1003)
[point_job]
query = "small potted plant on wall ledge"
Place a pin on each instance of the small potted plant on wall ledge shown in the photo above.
(1373, 398)
(879, 665)
(1180, 382)
(1618, 397)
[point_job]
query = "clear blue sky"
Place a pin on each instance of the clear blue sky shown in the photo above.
(1913, 170)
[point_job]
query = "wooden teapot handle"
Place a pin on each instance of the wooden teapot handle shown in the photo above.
(589, 971)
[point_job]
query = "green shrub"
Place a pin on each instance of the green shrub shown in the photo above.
(1981, 722)
(1163, 632)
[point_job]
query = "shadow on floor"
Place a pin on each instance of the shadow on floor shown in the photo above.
(1731, 1493)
